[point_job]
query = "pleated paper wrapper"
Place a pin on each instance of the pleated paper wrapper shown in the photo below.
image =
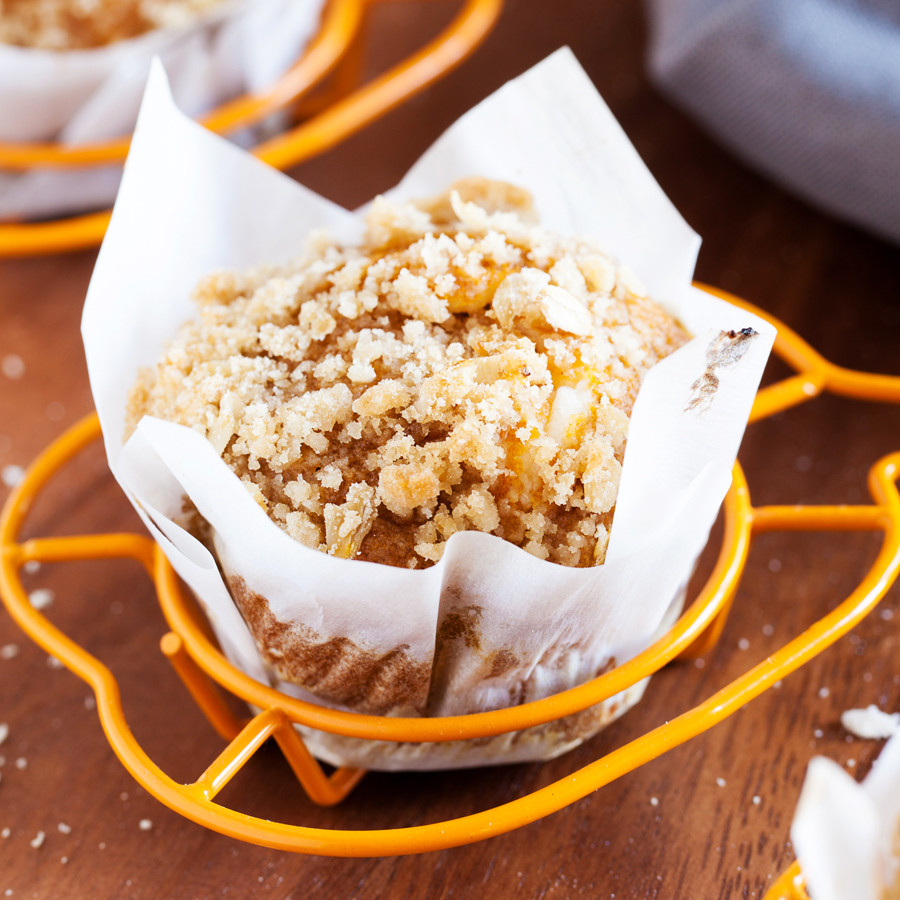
(489, 625)
(847, 834)
(82, 96)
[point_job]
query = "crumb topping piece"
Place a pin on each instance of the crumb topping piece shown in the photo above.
(83, 24)
(462, 369)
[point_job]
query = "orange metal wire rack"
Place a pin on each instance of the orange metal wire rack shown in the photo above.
(205, 671)
(344, 108)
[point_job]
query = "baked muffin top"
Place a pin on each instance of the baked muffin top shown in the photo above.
(83, 24)
(462, 368)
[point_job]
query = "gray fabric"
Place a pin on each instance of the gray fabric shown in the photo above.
(808, 91)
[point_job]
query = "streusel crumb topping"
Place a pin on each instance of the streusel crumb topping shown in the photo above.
(462, 369)
(82, 24)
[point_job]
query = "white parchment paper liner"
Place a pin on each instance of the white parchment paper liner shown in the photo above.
(844, 832)
(80, 96)
(507, 626)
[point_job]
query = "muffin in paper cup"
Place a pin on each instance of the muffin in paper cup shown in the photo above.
(76, 96)
(489, 624)
(847, 834)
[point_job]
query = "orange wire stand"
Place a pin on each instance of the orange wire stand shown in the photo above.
(205, 671)
(342, 110)
(789, 886)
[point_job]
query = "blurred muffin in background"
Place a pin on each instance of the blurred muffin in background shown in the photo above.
(84, 24)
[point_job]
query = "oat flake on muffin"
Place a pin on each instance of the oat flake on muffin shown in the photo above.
(83, 24)
(462, 369)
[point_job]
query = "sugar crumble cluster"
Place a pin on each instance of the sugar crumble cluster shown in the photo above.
(462, 369)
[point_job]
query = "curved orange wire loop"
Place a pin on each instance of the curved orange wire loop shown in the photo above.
(202, 666)
(341, 24)
(789, 885)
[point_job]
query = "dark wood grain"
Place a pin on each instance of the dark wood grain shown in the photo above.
(708, 820)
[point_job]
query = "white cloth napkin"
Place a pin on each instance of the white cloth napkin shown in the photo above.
(807, 91)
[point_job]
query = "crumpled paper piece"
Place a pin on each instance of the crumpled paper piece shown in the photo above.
(80, 96)
(847, 834)
(489, 625)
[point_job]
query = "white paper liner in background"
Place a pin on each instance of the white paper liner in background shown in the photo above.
(81, 96)
(191, 204)
(844, 833)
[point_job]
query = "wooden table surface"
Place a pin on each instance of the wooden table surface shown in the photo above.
(707, 820)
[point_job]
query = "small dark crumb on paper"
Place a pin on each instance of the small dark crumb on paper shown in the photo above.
(726, 349)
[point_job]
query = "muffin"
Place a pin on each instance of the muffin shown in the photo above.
(461, 369)
(72, 73)
(85, 24)
(443, 387)
(847, 834)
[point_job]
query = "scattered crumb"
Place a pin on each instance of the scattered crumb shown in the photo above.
(64, 828)
(124, 796)
(654, 801)
(851, 763)
(818, 733)
(21, 763)
(699, 663)
(5, 833)
(9, 651)
(64, 859)
(871, 723)
(768, 630)
(54, 663)
(38, 840)
(41, 598)
(887, 615)
(824, 692)
(720, 782)
(743, 644)
(12, 475)
(12, 365)
(756, 800)
(55, 411)
(4, 732)
(145, 824)
(774, 565)
(90, 702)
(31, 566)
